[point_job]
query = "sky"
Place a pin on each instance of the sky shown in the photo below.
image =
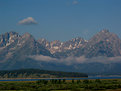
(60, 19)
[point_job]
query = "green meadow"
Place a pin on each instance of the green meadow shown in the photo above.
(62, 85)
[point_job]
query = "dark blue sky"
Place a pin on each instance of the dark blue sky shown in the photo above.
(60, 19)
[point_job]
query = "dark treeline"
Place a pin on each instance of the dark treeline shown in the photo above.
(37, 73)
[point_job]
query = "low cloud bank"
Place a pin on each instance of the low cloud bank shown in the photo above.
(42, 58)
(77, 60)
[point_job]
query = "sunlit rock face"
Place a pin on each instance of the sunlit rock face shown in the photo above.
(58, 46)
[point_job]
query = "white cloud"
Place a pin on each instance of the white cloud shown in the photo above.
(75, 2)
(27, 21)
(42, 58)
(77, 60)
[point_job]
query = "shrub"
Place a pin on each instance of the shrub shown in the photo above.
(85, 81)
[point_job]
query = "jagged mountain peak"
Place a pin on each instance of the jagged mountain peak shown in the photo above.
(12, 32)
(78, 39)
(104, 43)
(13, 47)
(58, 46)
(104, 31)
(9, 34)
(56, 41)
(27, 35)
(8, 38)
(104, 35)
(42, 39)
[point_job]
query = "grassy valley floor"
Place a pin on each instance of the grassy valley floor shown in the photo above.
(62, 85)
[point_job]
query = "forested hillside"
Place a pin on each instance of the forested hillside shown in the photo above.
(36, 73)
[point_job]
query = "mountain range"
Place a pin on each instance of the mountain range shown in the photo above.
(102, 44)
(99, 54)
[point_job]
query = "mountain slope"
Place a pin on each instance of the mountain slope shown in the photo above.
(103, 43)
(15, 49)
